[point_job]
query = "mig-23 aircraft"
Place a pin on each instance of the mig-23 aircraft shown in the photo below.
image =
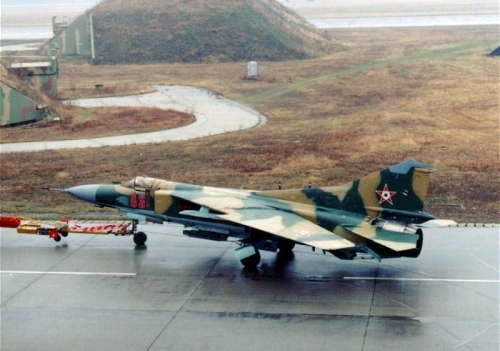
(379, 215)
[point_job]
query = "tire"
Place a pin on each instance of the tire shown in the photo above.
(140, 238)
(251, 261)
(286, 246)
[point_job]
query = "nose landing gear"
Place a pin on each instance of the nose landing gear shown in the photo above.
(139, 237)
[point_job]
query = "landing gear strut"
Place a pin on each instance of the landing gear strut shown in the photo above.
(140, 237)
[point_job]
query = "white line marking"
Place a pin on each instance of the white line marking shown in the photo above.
(71, 273)
(425, 280)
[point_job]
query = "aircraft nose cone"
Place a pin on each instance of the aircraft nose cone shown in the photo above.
(84, 192)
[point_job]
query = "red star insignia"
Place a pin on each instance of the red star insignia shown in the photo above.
(385, 195)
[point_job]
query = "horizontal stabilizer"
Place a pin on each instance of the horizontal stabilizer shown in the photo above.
(396, 240)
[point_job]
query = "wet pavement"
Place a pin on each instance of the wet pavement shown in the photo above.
(91, 292)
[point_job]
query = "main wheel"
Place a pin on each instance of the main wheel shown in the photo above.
(251, 261)
(286, 246)
(140, 238)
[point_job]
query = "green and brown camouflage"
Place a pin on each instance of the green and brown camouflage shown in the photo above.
(42, 75)
(74, 39)
(378, 215)
(16, 108)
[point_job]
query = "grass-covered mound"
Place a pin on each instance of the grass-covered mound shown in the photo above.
(136, 31)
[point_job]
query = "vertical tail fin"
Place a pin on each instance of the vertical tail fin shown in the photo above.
(399, 188)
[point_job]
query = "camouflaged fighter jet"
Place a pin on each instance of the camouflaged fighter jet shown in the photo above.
(379, 215)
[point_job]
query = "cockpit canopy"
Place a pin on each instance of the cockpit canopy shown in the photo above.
(140, 182)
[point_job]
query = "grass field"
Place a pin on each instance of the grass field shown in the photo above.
(385, 95)
(99, 122)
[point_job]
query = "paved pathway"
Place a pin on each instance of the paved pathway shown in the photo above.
(214, 115)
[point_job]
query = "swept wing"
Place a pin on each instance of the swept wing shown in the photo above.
(254, 213)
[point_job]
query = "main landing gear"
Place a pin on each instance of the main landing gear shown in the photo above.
(139, 237)
(249, 254)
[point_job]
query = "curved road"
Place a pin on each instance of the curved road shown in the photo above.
(214, 115)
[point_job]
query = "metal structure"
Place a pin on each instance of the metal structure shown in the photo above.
(42, 75)
(73, 39)
(17, 108)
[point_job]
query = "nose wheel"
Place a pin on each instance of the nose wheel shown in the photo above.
(139, 237)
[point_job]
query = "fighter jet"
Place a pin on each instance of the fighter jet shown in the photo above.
(378, 216)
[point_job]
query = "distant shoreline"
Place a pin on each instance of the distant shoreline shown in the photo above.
(25, 32)
(405, 21)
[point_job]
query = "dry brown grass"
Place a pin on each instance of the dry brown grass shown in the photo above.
(390, 94)
(82, 123)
